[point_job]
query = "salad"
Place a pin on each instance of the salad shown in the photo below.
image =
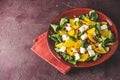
(82, 38)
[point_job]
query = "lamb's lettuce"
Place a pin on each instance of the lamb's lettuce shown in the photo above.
(93, 15)
(56, 38)
(63, 21)
(54, 27)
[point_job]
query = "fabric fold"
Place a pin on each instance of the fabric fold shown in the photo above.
(41, 49)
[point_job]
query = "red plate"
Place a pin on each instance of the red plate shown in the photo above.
(72, 13)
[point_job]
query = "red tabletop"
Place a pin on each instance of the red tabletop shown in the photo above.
(23, 20)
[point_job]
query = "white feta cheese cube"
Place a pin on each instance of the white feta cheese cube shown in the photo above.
(104, 27)
(68, 28)
(83, 28)
(82, 50)
(91, 52)
(89, 47)
(84, 36)
(73, 50)
(62, 49)
(77, 56)
(64, 37)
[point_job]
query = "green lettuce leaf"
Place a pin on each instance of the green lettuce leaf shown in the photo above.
(56, 38)
(54, 27)
(63, 21)
(93, 15)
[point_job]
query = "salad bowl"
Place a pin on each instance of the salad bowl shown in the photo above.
(72, 14)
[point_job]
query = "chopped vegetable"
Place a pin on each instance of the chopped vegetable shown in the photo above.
(73, 24)
(69, 43)
(91, 38)
(55, 27)
(91, 33)
(61, 32)
(98, 27)
(106, 33)
(107, 49)
(70, 52)
(84, 43)
(63, 21)
(71, 32)
(84, 57)
(73, 38)
(80, 34)
(57, 49)
(104, 23)
(69, 59)
(82, 16)
(96, 57)
(77, 44)
(108, 42)
(93, 15)
(100, 50)
(56, 38)
(59, 45)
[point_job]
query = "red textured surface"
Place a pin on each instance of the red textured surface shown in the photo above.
(23, 20)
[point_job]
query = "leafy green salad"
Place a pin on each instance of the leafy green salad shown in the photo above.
(82, 38)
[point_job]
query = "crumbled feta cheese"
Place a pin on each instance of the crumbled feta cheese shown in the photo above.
(104, 27)
(84, 36)
(73, 50)
(83, 28)
(68, 27)
(82, 50)
(89, 47)
(77, 56)
(76, 19)
(91, 52)
(62, 49)
(64, 37)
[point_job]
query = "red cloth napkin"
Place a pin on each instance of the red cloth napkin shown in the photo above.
(42, 50)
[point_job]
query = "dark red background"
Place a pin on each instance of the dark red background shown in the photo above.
(23, 20)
